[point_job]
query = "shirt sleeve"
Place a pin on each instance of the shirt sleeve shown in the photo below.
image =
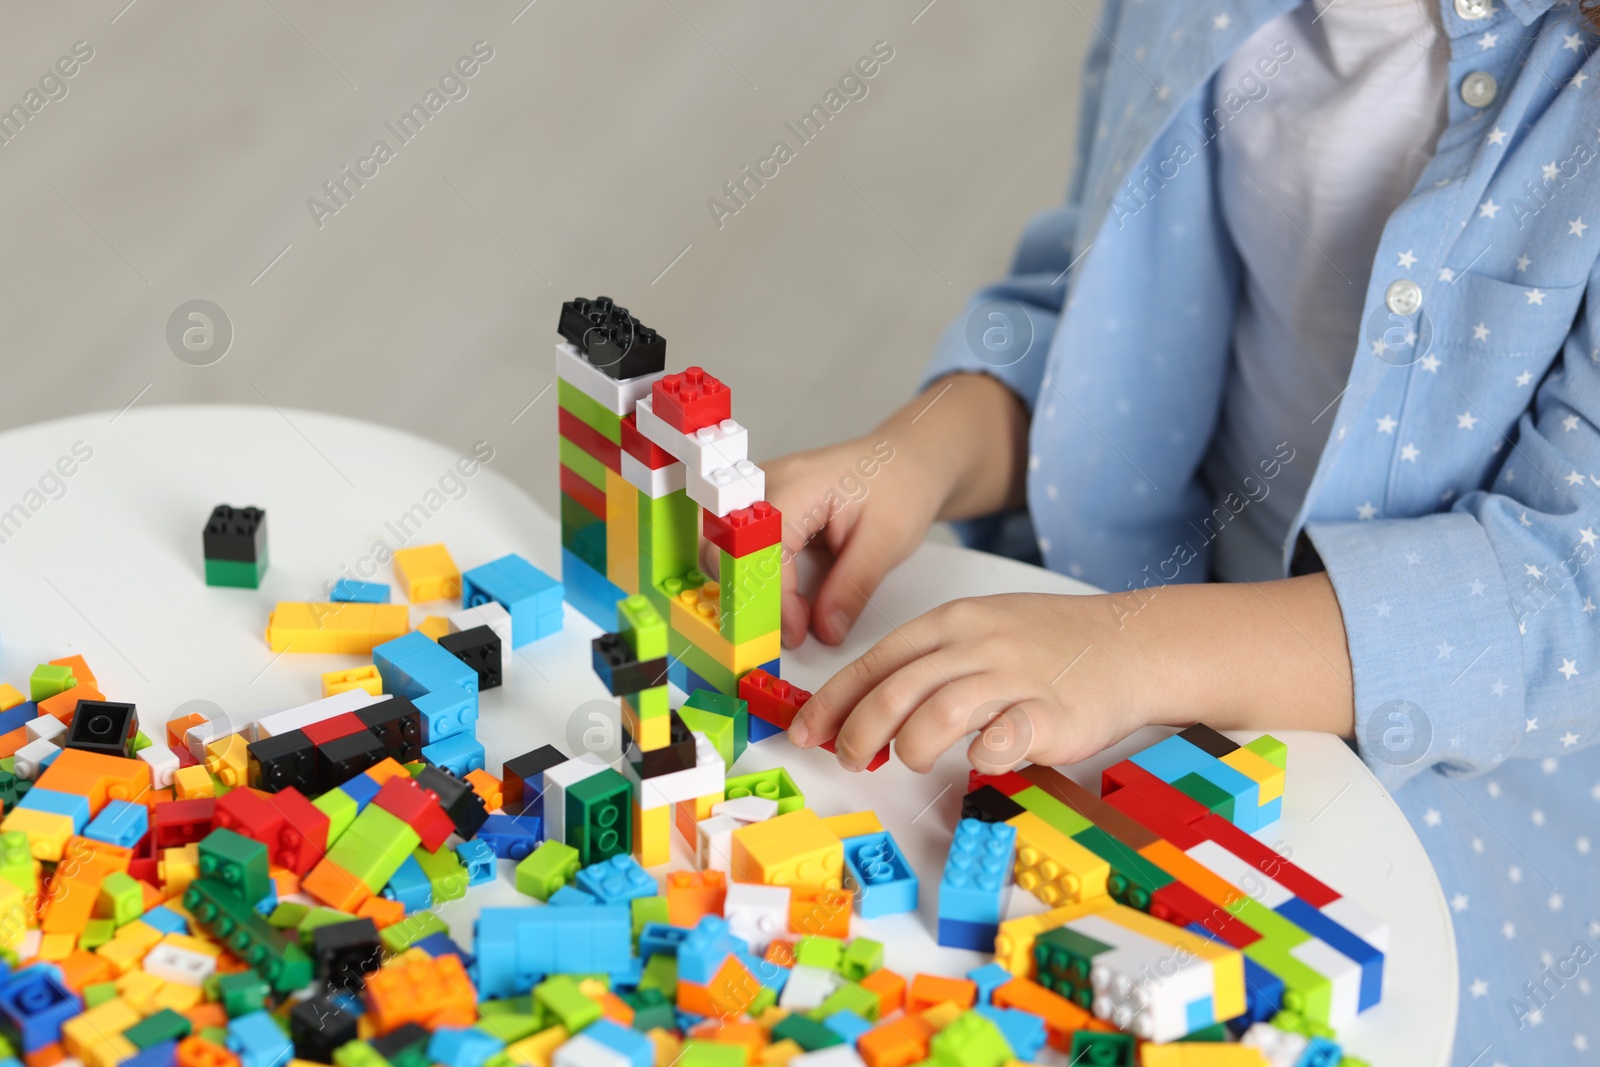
(1472, 632)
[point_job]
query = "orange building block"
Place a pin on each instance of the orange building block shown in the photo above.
(780, 951)
(335, 887)
(198, 1052)
(80, 670)
(210, 1013)
(176, 728)
(68, 900)
(889, 988)
(488, 787)
(65, 703)
(693, 894)
(85, 969)
(10, 742)
(47, 1056)
(747, 1035)
(819, 912)
(99, 777)
(1061, 1016)
(382, 911)
(926, 990)
(896, 1043)
(615, 1008)
(433, 992)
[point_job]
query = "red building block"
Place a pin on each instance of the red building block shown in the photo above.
(249, 814)
(181, 822)
(690, 400)
(332, 729)
(772, 699)
(1157, 812)
(1129, 775)
(747, 530)
(1179, 905)
(878, 760)
(1009, 783)
(641, 447)
(584, 492)
(409, 802)
(590, 440)
(304, 837)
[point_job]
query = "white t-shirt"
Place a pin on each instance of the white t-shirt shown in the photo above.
(1310, 170)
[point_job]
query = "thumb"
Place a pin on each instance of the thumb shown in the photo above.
(867, 555)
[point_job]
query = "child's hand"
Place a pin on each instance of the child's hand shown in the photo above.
(953, 452)
(1055, 679)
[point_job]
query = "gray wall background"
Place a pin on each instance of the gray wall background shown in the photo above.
(179, 161)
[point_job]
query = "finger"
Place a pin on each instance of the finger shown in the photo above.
(949, 714)
(795, 617)
(871, 550)
(877, 718)
(822, 715)
(1010, 737)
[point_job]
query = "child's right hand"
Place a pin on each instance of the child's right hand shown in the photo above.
(956, 451)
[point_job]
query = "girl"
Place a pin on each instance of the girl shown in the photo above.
(1312, 326)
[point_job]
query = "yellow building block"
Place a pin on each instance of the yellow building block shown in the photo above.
(1267, 776)
(14, 915)
(179, 997)
(336, 682)
(318, 627)
(228, 760)
(434, 626)
(1227, 964)
(1013, 944)
(649, 733)
(427, 572)
(57, 946)
(140, 989)
(791, 849)
(668, 1044)
(109, 1052)
(10, 696)
(1054, 867)
(141, 934)
(695, 614)
(123, 956)
(538, 1049)
(97, 1024)
(1201, 1054)
(47, 831)
(189, 783)
(779, 1053)
(179, 867)
(652, 837)
(853, 824)
(622, 532)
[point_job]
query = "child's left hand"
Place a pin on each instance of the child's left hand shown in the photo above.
(1055, 679)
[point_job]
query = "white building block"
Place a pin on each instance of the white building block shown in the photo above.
(1240, 873)
(174, 964)
(714, 843)
(617, 397)
(1359, 921)
(703, 451)
(492, 615)
(727, 488)
(281, 722)
(45, 728)
(833, 1056)
(807, 987)
(757, 913)
(32, 757)
(1282, 1048)
(584, 1051)
(557, 780)
(706, 777)
(747, 809)
(163, 764)
(1143, 985)
(654, 484)
(1342, 973)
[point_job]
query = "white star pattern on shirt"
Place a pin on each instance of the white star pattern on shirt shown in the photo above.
(1498, 688)
(1571, 42)
(1488, 40)
(1407, 260)
(1522, 263)
(1536, 817)
(1582, 845)
(1466, 420)
(1525, 377)
(1221, 22)
(1432, 817)
(1551, 171)
(1479, 988)
(1588, 605)
(1413, 558)
(1480, 332)
(1477, 845)
(1578, 79)
(1445, 648)
(1386, 424)
(1569, 423)
(1429, 363)
(1576, 226)
(1409, 453)
(1508, 930)
(1568, 668)
(1496, 136)
(1533, 724)
(1515, 874)
(1569, 739)
(1533, 570)
(1580, 1042)
(1574, 478)
(1535, 296)
(1489, 209)
(1446, 274)
(1588, 536)
(1383, 609)
(1366, 511)
(1492, 788)
(1476, 587)
(1549, 765)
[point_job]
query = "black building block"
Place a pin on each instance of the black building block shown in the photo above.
(677, 755)
(611, 339)
(988, 804)
(397, 724)
(404, 1046)
(343, 758)
(1208, 740)
(522, 779)
(460, 801)
(103, 726)
(318, 1026)
(478, 648)
(620, 672)
(238, 534)
(290, 759)
(345, 953)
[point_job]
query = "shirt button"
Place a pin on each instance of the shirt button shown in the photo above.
(1473, 10)
(1403, 297)
(1478, 89)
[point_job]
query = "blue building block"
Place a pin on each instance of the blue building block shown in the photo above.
(162, 1055)
(956, 933)
(58, 803)
(1199, 1014)
(1174, 757)
(478, 858)
(462, 1048)
(530, 596)
(18, 717)
(414, 665)
(361, 789)
(592, 593)
(771, 975)
(441, 944)
(447, 711)
(882, 880)
(616, 880)
(988, 978)
(1320, 1052)
(639, 1050)
(267, 904)
(847, 1024)
(410, 886)
(977, 872)
(703, 951)
(458, 754)
(1023, 1030)
(350, 591)
(34, 1003)
(518, 946)
(1341, 940)
(259, 1041)
(119, 823)
(761, 729)
(627, 976)
(1269, 813)
(660, 939)
(166, 920)
(569, 896)
(511, 836)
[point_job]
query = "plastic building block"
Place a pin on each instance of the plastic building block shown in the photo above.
(620, 672)
(616, 880)
(280, 962)
(599, 816)
(548, 868)
(103, 726)
(744, 531)
(236, 862)
(320, 1025)
(988, 804)
(478, 648)
(532, 597)
(459, 754)
(879, 876)
(1104, 1049)
(330, 627)
(282, 761)
(589, 590)
(345, 953)
(610, 339)
(364, 678)
(350, 591)
(774, 785)
(691, 400)
(258, 1041)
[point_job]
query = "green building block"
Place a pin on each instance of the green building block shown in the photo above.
(697, 1053)
(1206, 792)
(217, 1035)
(751, 592)
(97, 994)
(579, 462)
(318, 917)
(806, 1032)
(558, 1000)
(546, 869)
(849, 996)
(288, 915)
(1133, 878)
(702, 663)
(46, 681)
(237, 862)
(642, 626)
(647, 910)
(227, 917)
(774, 785)
(413, 1053)
(12, 789)
(724, 719)
(589, 411)
(120, 898)
(95, 933)
(374, 847)
(17, 864)
(509, 1027)
(397, 937)
(239, 993)
(815, 951)
(660, 974)
(445, 872)
(340, 808)
(1094, 1048)
(1276, 753)
(141, 741)
(583, 533)
(651, 1009)
(518, 1005)
(236, 573)
(599, 813)
(1063, 960)
(765, 998)
(358, 1054)
(1051, 810)
(669, 540)
(861, 957)
(970, 1040)
(152, 1030)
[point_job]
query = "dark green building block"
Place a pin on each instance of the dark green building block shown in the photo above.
(809, 1034)
(164, 1025)
(1133, 878)
(227, 917)
(1207, 792)
(237, 862)
(236, 573)
(1092, 1048)
(600, 816)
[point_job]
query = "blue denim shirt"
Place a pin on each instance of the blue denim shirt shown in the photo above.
(1456, 506)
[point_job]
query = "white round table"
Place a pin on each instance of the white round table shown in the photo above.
(105, 561)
